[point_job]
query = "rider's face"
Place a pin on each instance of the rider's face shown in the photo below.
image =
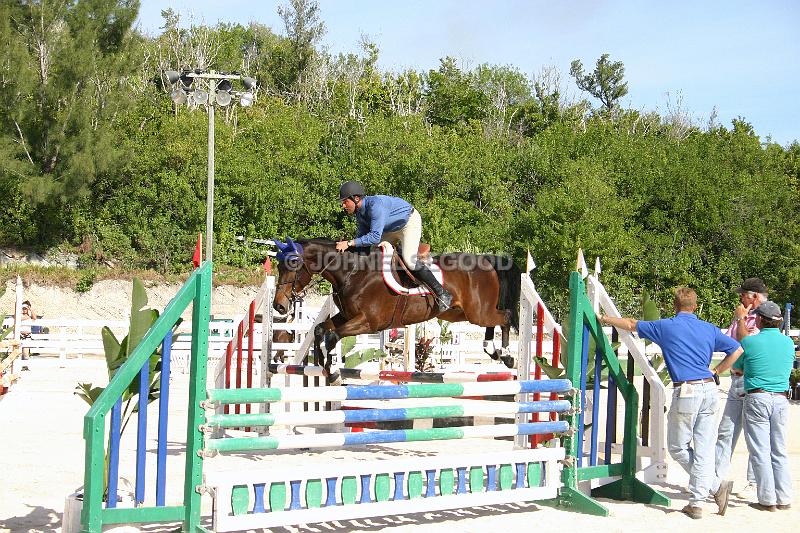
(748, 298)
(349, 206)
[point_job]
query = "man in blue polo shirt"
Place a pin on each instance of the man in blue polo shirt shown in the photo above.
(388, 218)
(767, 361)
(688, 344)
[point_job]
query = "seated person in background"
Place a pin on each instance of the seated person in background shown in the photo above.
(25, 330)
(28, 314)
(27, 311)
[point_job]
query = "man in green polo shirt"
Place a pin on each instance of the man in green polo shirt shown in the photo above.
(767, 362)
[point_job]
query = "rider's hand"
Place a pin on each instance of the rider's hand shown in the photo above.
(742, 311)
(341, 246)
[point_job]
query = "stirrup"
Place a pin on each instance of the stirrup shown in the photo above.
(444, 300)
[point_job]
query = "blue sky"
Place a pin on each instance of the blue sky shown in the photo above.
(740, 57)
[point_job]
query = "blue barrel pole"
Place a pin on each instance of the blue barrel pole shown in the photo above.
(584, 364)
(598, 365)
(113, 454)
(141, 433)
(163, 417)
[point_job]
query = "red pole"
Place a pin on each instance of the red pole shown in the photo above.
(239, 336)
(228, 357)
(535, 439)
(556, 354)
(251, 319)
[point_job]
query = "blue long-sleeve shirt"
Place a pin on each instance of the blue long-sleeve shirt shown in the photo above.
(378, 214)
(687, 343)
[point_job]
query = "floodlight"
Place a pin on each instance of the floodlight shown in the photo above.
(200, 97)
(186, 81)
(223, 98)
(246, 99)
(173, 76)
(249, 83)
(178, 96)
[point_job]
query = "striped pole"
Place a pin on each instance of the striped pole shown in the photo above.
(386, 392)
(386, 415)
(396, 376)
(338, 440)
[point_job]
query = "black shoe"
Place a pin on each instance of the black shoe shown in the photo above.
(443, 298)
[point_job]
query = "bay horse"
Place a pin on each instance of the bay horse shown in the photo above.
(485, 289)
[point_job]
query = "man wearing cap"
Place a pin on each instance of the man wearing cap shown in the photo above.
(752, 293)
(767, 361)
(388, 218)
(688, 344)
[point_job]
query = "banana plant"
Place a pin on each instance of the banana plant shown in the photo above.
(361, 356)
(117, 353)
(554, 372)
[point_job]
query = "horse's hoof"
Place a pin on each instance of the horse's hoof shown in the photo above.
(508, 361)
(334, 379)
(495, 355)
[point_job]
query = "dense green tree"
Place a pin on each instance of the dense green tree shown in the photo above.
(453, 96)
(93, 152)
(61, 104)
(604, 83)
(303, 30)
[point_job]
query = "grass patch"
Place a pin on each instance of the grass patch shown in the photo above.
(59, 276)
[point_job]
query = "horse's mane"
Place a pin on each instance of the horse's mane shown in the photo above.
(329, 243)
(322, 241)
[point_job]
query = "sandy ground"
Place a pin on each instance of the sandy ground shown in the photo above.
(42, 450)
(111, 300)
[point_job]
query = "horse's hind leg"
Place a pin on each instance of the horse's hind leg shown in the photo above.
(502, 353)
(506, 356)
(488, 344)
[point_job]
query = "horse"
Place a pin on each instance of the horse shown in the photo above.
(485, 289)
(282, 336)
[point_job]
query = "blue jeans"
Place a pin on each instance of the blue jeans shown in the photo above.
(766, 421)
(691, 434)
(730, 427)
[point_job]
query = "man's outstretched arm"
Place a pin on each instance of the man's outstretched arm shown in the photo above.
(628, 324)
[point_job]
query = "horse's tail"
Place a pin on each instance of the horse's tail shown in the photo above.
(509, 275)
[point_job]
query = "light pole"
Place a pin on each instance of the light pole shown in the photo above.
(199, 88)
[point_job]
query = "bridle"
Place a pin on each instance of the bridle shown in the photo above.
(296, 263)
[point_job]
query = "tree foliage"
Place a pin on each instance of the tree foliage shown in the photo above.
(94, 155)
(604, 83)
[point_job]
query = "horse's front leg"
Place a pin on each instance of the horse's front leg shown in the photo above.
(325, 341)
(320, 349)
(347, 328)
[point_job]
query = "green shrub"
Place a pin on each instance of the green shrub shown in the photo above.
(86, 280)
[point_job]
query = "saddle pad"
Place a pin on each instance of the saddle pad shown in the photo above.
(387, 251)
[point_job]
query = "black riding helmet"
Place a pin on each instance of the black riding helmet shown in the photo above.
(350, 189)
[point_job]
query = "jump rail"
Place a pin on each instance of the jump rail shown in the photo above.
(424, 484)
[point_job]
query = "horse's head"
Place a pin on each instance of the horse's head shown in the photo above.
(293, 275)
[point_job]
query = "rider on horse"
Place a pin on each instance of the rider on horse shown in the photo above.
(392, 219)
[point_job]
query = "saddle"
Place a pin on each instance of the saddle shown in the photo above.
(400, 266)
(399, 277)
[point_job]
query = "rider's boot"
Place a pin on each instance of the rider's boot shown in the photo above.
(443, 297)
